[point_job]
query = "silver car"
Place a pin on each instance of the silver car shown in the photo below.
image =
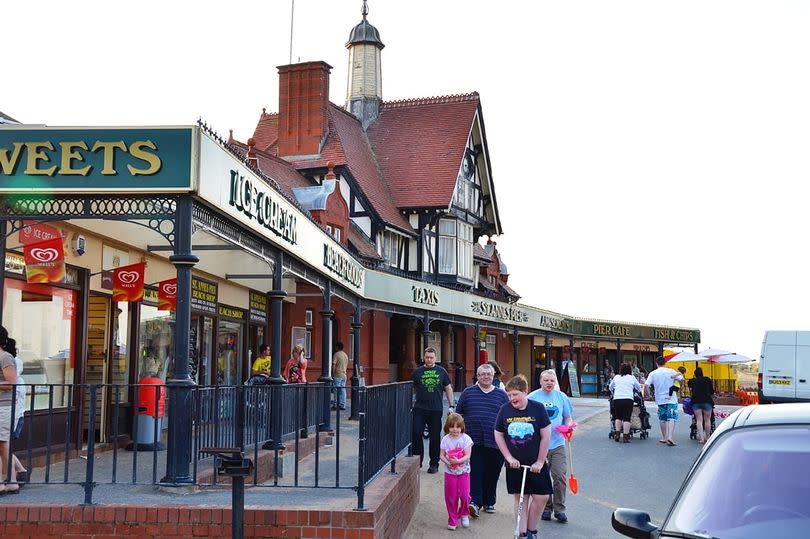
(752, 480)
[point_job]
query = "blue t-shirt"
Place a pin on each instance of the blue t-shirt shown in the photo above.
(558, 406)
(521, 429)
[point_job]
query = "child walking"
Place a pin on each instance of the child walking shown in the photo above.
(456, 448)
(523, 434)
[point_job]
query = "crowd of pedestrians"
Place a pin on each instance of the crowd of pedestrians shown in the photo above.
(492, 425)
(503, 425)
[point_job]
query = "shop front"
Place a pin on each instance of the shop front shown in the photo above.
(248, 267)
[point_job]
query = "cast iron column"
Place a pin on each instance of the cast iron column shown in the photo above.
(178, 455)
(476, 359)
(276, 296)
(547, 344)
(357, 323)
(516, 342)
(3, 232)
(618, 354)
(326, 346)
(425, 332)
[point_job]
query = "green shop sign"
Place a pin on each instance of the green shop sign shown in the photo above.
(95, 159)
(618, 330)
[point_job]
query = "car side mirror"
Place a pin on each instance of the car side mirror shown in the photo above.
(632, 523)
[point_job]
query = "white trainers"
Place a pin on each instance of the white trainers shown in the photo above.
(465, 522)
(451, 527)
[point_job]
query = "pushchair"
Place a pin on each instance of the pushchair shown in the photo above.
(687, 409)
(639, 420)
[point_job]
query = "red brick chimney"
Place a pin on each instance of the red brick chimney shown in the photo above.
(303, 103)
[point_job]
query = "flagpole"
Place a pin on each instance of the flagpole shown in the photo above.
(292, 19)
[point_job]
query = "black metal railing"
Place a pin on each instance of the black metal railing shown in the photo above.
(385, 430)
(115, 434)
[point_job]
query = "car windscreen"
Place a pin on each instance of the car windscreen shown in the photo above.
(750, 483)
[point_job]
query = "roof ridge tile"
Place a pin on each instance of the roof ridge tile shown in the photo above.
(437, 100)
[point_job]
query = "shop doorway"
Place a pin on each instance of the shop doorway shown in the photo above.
(257, 337)
(201, 346)
(96, 368)
(229, 353)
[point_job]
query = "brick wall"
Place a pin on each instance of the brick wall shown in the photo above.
(391, 501)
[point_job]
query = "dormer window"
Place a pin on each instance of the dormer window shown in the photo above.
(455, 248)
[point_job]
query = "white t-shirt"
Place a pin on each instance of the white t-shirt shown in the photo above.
(21, 390)
(661, 379)
(461, 443)
(623, 386)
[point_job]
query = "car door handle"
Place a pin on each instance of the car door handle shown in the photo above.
(802, 380)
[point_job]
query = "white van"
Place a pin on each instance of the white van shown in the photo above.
(784, 367)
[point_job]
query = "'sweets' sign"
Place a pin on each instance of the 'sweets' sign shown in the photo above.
(92, 160)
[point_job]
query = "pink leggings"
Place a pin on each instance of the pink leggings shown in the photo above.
(456, 497)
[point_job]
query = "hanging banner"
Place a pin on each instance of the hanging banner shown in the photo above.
(128, 283)
(45, 261)
(33, 232)
(167, 295)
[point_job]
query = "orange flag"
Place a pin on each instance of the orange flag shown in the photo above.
(128, 282)
(167, 295)
(45, 261)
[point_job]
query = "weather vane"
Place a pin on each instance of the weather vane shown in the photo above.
(365, 9)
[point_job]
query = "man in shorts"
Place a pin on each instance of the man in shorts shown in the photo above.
(660, 380)
(523, 433)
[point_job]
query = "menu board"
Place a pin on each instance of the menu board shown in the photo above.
(204, 295)
(573, 379)
(258, 307)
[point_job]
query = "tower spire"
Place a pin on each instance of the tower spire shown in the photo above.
(364, 91)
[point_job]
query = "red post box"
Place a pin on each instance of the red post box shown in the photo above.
(146, 396)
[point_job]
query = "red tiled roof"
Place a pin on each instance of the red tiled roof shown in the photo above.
(419, 144)
(508, 290)
(358, 239)
(480, 252)
(484, 283)
(278, 169)
(347, 145)
(266, 133)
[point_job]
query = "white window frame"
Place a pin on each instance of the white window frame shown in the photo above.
(308, 318)
(455, 249)
(447, 255)
(465, 250)
(390, 248)
(491, 346)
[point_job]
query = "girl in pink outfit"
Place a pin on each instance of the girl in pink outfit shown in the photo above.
(456, 448)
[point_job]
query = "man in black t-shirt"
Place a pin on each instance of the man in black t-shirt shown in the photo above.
(429, 381)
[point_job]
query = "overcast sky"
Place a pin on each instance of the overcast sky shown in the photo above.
(650, 158)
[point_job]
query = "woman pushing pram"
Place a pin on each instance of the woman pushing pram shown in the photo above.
(628, 414)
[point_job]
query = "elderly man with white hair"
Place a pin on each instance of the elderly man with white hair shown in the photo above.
(479, 405)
